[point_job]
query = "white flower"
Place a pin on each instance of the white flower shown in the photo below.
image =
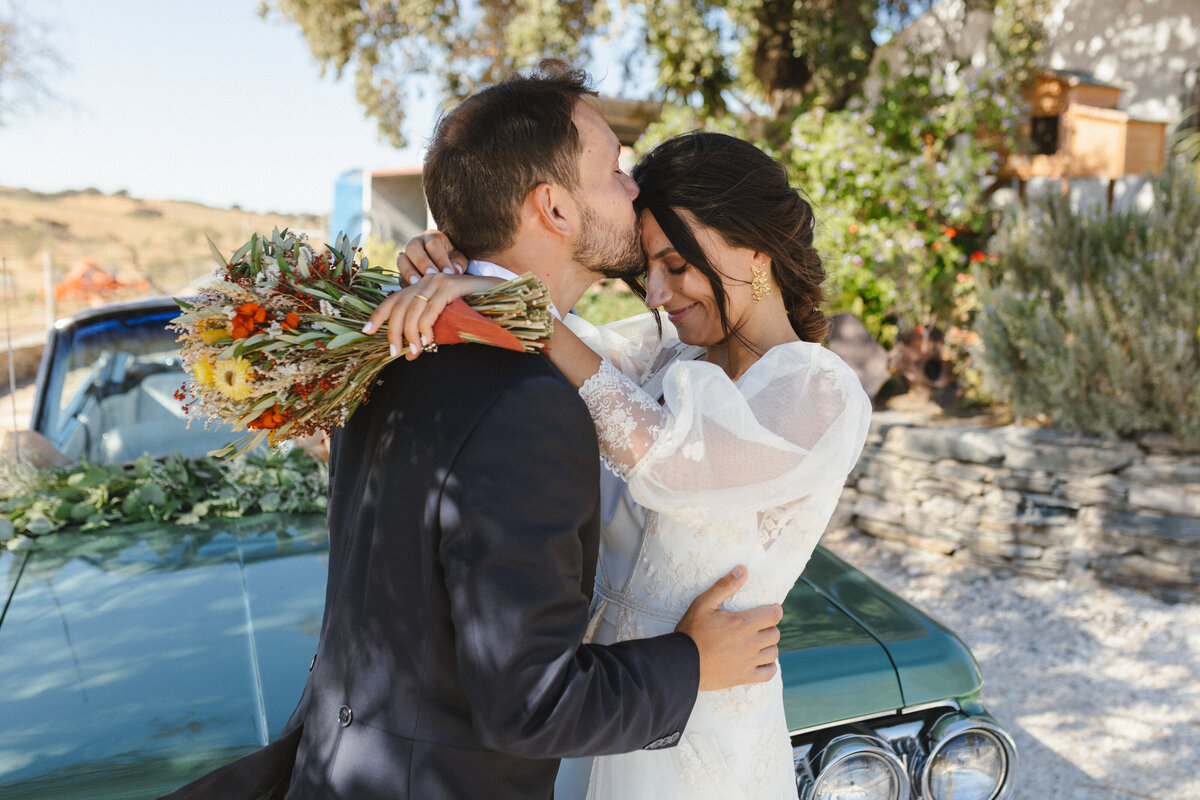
(327, 308)
(269, 276)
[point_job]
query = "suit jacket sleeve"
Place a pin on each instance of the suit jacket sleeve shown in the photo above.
(521, 488)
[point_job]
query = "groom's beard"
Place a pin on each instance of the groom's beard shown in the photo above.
(604, 249)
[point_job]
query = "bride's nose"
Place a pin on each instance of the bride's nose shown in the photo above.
(658, 293)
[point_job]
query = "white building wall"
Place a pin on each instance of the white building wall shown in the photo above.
(1150, 48)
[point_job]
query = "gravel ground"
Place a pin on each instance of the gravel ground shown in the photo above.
(1099, 686)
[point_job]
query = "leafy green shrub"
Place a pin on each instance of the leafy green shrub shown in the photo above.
(900, 187)
(608, 301)
(1094, 321)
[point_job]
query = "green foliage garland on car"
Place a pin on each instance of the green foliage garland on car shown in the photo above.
(174, 489)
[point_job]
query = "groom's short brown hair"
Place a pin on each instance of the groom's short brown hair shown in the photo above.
(494, 147)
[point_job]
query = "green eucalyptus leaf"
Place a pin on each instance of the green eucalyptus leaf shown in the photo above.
(216, 253)
(346, 338)
(38, 526)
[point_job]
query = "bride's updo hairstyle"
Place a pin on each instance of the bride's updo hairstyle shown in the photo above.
(741, 193)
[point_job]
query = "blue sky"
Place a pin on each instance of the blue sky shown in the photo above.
(193, 100)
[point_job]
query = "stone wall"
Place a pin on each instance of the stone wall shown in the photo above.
(1035, 500)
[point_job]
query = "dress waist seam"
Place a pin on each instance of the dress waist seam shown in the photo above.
(608, 595)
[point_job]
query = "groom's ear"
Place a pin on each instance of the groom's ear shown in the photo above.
(553, 208)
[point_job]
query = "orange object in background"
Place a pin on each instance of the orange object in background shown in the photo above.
(87, 281)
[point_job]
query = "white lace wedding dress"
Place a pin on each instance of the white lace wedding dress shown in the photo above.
(719, 473)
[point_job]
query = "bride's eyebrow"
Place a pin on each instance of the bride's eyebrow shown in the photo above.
(666, 251)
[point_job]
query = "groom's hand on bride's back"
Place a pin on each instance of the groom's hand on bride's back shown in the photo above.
(735, 647)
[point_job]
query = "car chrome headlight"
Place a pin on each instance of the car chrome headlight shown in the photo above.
(858, 767)
(970, 758)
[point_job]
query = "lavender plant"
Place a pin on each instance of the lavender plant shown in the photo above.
(1093, 320)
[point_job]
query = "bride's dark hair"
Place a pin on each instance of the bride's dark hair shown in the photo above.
(741, 193)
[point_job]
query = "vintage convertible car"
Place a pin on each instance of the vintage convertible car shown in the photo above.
(136, 658)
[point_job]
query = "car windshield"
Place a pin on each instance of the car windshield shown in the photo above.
(109, 395)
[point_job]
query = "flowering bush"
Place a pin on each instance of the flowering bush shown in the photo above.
(901, 190)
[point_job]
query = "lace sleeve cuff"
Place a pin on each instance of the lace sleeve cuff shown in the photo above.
(628, 421)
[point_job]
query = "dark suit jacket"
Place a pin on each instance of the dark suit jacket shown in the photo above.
(463, 536)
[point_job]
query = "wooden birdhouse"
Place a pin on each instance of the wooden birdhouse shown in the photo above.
(1078, 131)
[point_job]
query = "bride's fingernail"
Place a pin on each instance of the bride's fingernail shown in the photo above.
(448, 270)
(424, 341)
(412, 348)
(367, 327)
(413, 279)
(392, 349)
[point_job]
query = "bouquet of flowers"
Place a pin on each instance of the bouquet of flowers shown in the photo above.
(274, 342)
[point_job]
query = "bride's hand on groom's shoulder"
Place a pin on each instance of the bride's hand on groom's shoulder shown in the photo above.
(411, 312)
(736, 647)
(430, 252)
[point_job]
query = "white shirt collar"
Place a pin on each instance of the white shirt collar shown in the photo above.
(477, 266)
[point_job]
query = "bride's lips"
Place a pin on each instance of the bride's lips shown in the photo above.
(679, 314)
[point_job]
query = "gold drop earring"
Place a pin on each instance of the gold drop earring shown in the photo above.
(759, 288)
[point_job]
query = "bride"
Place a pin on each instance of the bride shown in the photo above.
(729, 431)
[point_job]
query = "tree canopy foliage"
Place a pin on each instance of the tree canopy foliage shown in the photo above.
(774, 56)
(24, 60)
(892, 129)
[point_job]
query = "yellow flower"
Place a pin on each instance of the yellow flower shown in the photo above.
(203, 371)
(232, 378)
(211, 335)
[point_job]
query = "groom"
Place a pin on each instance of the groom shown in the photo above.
(463, 519)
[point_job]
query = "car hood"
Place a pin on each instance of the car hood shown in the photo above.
(851, 649)
(134, 660)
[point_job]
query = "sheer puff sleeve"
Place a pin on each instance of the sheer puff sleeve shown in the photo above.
(793, 425)
(638, 347)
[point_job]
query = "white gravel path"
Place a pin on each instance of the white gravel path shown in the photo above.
(1099, 686)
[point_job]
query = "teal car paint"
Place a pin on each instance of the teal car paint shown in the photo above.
(134, 660)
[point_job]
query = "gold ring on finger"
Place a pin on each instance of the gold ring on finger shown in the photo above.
(422, 297)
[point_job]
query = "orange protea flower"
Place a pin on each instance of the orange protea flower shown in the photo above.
(291, 321)
(977, 256)
(249, 316)
(269, 420)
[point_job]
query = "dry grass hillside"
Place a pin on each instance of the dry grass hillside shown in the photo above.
(156, 247)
